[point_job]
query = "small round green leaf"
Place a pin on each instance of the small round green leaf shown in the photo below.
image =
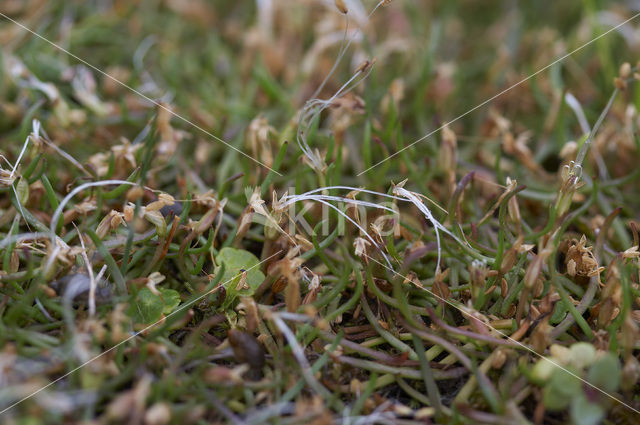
(147, 307)
(560, 390)
(235, 261)
(582, 354)
(584, 412)
(171, 299)
(605, 373)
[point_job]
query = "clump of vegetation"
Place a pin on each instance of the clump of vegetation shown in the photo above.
(296, 212)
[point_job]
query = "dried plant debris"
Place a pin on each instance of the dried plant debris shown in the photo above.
(487, 274)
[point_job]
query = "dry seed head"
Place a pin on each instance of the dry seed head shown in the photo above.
(422, 414)
(360, 245)
(310, 311)
(631, 253)
(525, 247)
(620, 83)
(580, 260)
(315, 282)
(401, 409)
(156, 278)
(448, 151)
(511, 255)
(152, 280)
(394, 96)
(169, 137)
(110, 222)
(217, 374)
(337, 351)
(99, 162)
(158, 414)
(135, 193)
(86, 206)
(571, 174)
(412, 278)
(625, 70)
(500, 357)
(341, 6)
(355, 386)
(168, 199)
(128, 212)
(164, 199)
(533, 271)
(6, 178)
(365, 66)
(259, 135)
(125, 153)
(512, 205)
(242, 283)
(208, 200)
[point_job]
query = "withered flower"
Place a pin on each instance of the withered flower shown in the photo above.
(580, 260)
